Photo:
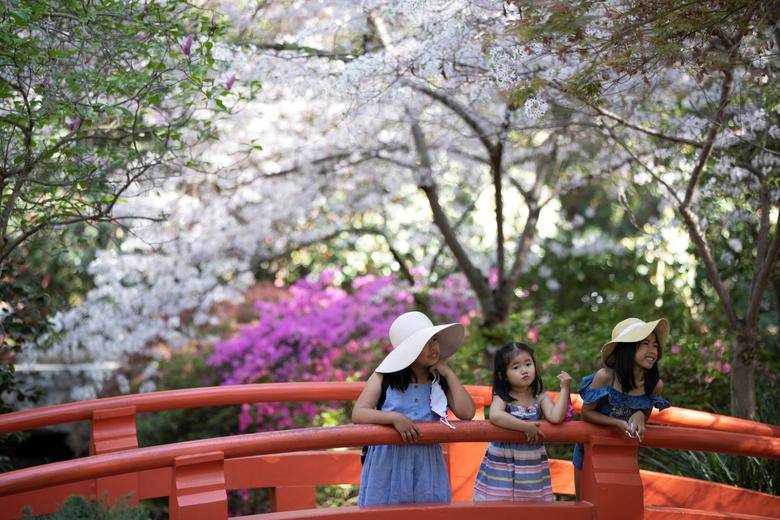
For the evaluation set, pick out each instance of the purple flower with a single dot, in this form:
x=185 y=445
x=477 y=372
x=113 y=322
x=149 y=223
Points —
x=320 y=332
x=186 y=47
x=230 y=81
x=675 y=349
x=74 y=124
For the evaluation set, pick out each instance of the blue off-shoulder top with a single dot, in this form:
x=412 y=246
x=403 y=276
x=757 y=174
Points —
x=614 y=403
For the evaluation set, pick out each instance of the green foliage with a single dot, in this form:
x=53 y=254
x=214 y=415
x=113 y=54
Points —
x=22 y=311
x=337 y=496
x=638 y=37
x=79 y=508
x=746 y=472
x=754 y=473
x=45 y=275
x=94 y=96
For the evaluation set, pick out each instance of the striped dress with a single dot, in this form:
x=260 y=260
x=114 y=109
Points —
x=515 y=472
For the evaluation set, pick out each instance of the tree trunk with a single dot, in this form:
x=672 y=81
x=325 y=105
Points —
x=498 y=313
x=743 y=376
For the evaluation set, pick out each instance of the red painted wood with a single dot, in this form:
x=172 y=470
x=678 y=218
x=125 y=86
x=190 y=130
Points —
x=113 y=430
x=198 y=487
x=358 y=435
x=454 y=511
x=326 y=391
x=610 y=479
x=118 y=467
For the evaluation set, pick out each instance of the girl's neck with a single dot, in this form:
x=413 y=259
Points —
x=639 y=376
x=521 y=394
x=420 y=374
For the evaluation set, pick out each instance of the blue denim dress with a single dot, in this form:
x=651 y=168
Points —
x=409 y=473
x=613 y=403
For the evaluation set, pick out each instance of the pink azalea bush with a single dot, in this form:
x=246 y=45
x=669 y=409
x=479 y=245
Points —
x=320 y=333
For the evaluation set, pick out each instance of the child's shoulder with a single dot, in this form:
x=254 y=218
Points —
x=602 y=377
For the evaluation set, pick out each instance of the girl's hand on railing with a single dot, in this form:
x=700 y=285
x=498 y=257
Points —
x=626 y=428
x=405 y=426
x=532 y=432
x=637 y=424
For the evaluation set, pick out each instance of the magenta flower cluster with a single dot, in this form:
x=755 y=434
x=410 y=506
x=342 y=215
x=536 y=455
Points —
x=321 y=332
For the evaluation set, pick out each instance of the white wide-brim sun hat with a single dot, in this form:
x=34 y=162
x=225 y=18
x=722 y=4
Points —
x=409 y=334
x=632 y=330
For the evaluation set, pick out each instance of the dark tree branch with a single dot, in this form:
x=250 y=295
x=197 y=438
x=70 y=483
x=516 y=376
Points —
x=476 y=280
x=697 y=235
x=761 y=281
x=712 y=134
x=461 y=112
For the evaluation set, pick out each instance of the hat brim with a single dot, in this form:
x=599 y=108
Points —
x=450 y=338
x=660 y=327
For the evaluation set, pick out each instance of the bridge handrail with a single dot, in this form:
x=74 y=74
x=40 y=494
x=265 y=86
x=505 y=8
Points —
x=306 y=439
x=311 y=391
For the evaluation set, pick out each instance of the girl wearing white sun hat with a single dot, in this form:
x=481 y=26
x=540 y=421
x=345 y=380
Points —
x=412 y=383
x=624 y=392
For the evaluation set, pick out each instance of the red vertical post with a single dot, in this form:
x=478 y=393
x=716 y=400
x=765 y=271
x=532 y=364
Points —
x=114 y=430
x=610 y=478
x=198 y=487
x=464 y=459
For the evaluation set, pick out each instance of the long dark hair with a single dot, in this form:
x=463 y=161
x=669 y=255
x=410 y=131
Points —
x=403 y=378
x=622 y=361
x=500 y=362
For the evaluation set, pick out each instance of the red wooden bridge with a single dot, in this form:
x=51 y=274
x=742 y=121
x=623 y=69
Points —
x=196 y=475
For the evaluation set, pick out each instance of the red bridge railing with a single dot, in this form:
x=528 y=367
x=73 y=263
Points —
x=195 y=475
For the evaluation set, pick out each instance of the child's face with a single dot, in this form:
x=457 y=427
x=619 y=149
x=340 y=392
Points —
x=647 y=352
x=430 y=353
x=520 y=371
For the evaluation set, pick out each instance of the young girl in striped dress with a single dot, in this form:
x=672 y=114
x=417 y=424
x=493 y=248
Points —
x=515 y=471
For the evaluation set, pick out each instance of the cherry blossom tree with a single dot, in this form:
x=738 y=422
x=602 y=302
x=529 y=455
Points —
x=372 y=142
x=440 y=80
x=687 y=94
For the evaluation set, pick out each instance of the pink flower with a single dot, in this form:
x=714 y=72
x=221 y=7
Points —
x=562 y=346
x=675 y=349
x=726 y=368
x=493 y=277
x=708 y=379
x=186 y=47
x=533 y=335
x=230 y=81
x=244 y=419
x=556 y=359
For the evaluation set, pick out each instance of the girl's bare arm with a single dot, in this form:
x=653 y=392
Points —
x=458 y=399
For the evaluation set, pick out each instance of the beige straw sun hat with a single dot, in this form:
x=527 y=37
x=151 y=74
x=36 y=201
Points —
x=632 y=330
